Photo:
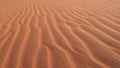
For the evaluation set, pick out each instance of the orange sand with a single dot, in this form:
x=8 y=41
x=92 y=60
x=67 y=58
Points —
x=59 y=34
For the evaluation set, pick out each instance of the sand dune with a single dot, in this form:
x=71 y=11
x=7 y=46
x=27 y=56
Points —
x=59 y=34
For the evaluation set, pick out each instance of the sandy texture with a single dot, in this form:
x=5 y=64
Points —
x=59 y=34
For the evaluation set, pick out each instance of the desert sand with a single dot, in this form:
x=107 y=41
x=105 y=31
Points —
x=59 y=34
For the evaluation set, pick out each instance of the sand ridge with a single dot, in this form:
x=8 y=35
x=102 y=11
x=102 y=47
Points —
x=59 y=34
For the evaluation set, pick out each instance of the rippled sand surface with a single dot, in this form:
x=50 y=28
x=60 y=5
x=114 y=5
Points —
x=59 y=34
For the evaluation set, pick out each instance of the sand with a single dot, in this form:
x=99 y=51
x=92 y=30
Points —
x=59 y=34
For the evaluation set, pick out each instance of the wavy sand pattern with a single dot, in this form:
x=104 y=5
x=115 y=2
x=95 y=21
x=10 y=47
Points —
x=59 y=34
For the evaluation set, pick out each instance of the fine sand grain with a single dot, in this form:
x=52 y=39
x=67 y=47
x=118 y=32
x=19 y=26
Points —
x=59 y=34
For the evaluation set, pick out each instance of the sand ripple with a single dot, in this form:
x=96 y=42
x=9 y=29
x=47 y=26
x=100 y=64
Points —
x=59 y=34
